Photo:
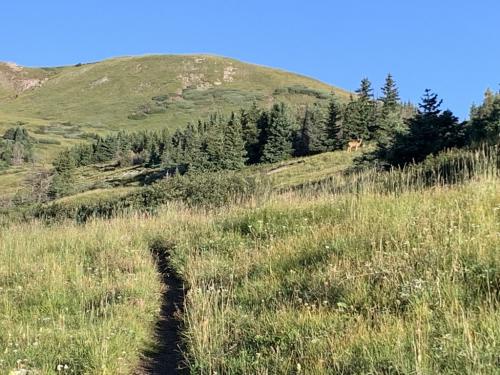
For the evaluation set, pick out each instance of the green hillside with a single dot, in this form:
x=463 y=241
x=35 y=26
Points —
x=63 y=104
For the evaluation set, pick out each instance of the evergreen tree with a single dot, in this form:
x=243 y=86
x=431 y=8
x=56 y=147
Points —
x=312 y=136
x=83 y=155
x=234 y=153
x=168 y=160
x=63 y=179
x=429 y=132
x=390 y=95
x=351 y=128
x=65 y=162
x=214 y=144
x=105 y=149
x=390 y=121
x=177 y=154
x=365 y=91
x=279 y=135
x=194 y=156
x=251 y=132
x=365 y=122
x=360 y=114
x=154 y=156
x=484 y=124
x=334 y=130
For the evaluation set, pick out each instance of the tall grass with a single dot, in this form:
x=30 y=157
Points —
x=348 y=284
x=368 y=274
x=448 y=168
x=83 y=300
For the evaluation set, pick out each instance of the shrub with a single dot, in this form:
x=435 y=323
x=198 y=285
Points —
x=208 y=189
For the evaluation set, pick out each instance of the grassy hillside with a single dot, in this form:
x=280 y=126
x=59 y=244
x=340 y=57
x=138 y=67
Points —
x=131 y=93
x=64 y=106
x=366 y=280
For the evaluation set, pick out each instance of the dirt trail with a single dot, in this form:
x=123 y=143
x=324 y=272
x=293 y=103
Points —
x=166 y=358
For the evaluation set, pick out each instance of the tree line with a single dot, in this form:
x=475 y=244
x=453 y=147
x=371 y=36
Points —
x=400 y=133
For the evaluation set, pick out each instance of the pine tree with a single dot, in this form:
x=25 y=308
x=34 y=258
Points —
x=154 y=156
x=312 y=135
x=429 y=132
x=351 y=128
x=105 y=149
x=360 y=114
x=390 y=121
x=64 y=162
x=365 y=91
x=484 y=124
x=234 y=153
x=334 y=130
x=177 y=154
x=214 y=144
x=63 y=179
x=365 y=118
x=251 y=132
x=192 y=145
x=279 y=135
x=390 y=95
x=167 y=155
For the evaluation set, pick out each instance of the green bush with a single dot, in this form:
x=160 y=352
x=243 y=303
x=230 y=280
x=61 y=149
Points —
x=208 y=189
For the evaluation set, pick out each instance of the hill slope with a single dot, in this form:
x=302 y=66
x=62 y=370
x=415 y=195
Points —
x=142 y=92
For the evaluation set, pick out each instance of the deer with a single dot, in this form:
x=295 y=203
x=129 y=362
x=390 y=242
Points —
x=354 y=145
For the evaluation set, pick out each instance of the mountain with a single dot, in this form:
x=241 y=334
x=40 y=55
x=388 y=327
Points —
x=65 y=104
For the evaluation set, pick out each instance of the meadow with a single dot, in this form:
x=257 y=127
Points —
x=385 y=275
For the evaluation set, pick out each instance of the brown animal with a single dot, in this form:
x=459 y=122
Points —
x=354 y=145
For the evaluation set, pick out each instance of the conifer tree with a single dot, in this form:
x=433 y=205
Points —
x=312 y=135
x=279 y=135
x=104 y=149
x=192 y=145
x=364 y=119
x=154 y=156
x=334 y=130
x=429 y=132
x=62 y=181
x=390 y=121
x=214 y=144
x=167 y=155
x=390 y=95
x=234 y=153
x=251 y=132
x=484 y=124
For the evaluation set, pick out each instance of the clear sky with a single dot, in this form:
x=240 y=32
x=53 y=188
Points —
x=452 y=47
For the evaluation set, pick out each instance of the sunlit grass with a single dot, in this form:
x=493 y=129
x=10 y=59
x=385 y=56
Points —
x=368 y=274
x=82 y=297
x=348 y=284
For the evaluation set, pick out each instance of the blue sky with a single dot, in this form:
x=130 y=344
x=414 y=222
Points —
x=452 y=47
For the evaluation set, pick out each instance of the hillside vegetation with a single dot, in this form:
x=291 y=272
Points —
x=296 y=231
x=68 y=103
x=386 y=276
